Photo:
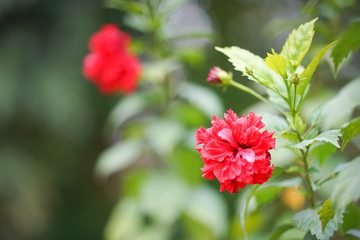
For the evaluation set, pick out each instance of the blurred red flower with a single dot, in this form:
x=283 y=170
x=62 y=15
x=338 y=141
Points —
x=235 y=151
x=110 y=65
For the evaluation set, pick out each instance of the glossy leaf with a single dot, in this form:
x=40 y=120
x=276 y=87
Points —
x=310 y=69
x=298 y=43
x=330 y=136
x=350 y=131
x=350 y=41
x=243 y=60
x=277 y=63
x=346 y=186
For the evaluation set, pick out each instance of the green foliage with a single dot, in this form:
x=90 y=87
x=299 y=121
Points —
x=309 y=220
x=330 y=136
x=310 y=69
x=338 y=110
x=322 y=151
x=118 y=157
x=207 y=207
x=243 y=60
x=202 y=98
x=298 y=43
x=350 y=131
x=351 y=218
x=278 y=231
x=346 y=186
x=277 y=63
x=353 y=233
x=349 y=41
x=326 y=213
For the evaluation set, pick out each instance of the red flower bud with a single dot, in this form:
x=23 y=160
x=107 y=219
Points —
x=218 y=76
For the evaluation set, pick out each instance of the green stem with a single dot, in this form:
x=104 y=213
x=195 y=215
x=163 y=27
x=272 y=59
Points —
x=255 y=94
x=307 y=177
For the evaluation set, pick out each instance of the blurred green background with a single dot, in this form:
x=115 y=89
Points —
x=52 y=120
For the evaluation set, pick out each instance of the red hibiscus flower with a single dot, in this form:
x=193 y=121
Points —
x=110 y=65
x=235 y=151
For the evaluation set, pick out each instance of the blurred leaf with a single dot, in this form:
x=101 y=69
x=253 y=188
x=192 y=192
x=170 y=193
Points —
x=274 y=123
x=317 y=116
x=326 y=213
x=351 y=218
x=163 y=135
x=124 y=221
x=277 y=63
x=310 y=69
x=265 y=195
x=330 y=136
x=350 y=131
x=338 y=110
x=346 y=186
x=163 y=197
x=132 y=181
x=278 y=100
x=277 y=171
x=308 y=236
x=295 y=168
x=277 y=232
x=354 y=233
x=127 y=108
x=349 y=41
x=188 y=114
x=187 y=163
x=309 y=220
x=203 y=98
x=207 y=207
x=322 y=152
x=118 y=157
x=243 y=60
x=134 y=7
x=298 y=43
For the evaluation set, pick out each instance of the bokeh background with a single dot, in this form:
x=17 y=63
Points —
x=52 y=120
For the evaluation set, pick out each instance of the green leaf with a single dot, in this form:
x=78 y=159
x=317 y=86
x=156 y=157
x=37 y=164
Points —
x=163 y=142
x=275 y=235
x=124 y=221
x=243 y=60
x=277 y=171
x=330 y=136
x=202 y=98
x=350 y=131
x=310 y=69
x=350 y=41
x=351 y=217
x=326 y=213
x=309 y=220
x=298 y=43
x=207 y=207
x=322 y=152
x=354 y=233
x=308 y=236
x=277 y=63
x=118 y=156
x=274 y=123
x=337 y=112
x=346 y=185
